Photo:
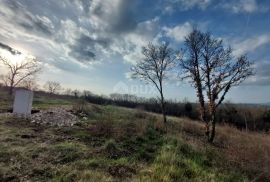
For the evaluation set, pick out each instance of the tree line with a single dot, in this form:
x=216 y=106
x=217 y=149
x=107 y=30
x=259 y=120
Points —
x=247 y=117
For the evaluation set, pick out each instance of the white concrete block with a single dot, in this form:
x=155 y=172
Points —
x=23 y=102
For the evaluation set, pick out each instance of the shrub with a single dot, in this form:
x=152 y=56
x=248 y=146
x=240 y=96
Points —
x=266 y=116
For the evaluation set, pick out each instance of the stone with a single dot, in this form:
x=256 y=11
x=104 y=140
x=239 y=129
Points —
x=23 y=102
x=54 y=117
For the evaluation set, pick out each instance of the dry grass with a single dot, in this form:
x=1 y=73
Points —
x=247 y=151
x=116 y=139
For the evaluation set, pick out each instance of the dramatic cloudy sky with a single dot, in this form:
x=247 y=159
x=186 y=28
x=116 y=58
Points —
x=91 y=44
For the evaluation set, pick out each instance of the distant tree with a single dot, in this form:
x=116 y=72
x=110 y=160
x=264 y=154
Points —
x=187 y=107
x=29 y=83
x=19 y=71
x=266 y=116
x=115 y=96
x=158 y=61
x=213 y=71
x=76 y=93
x=87 y=93
x=52 y=87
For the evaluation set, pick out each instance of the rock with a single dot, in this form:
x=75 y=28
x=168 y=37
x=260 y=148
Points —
x=84 y=118
x=55 y=117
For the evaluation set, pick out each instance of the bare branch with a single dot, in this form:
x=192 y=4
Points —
x=213 y=71
x=19 y=71
x=158 y=61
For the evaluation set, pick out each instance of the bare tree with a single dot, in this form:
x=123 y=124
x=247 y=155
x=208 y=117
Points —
x=87 y=93
x=76 y=93
x=158 y=60
x=19 y=71
x=190 y=65
x=52 y=87
x=213 y=71
x=29 y=83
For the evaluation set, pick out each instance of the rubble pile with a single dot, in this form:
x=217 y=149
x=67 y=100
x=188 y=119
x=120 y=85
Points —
x=54 y=117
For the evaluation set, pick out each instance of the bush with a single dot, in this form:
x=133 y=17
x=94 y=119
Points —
x=266 y=116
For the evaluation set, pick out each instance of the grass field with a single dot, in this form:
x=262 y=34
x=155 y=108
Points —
x=120 y=144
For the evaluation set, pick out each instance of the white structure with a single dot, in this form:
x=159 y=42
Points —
x=23 y=102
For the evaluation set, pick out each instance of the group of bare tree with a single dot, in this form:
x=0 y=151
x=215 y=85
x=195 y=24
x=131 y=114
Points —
x=52 y=87
x=20 y=73
x=205 y=62
x=24 y=74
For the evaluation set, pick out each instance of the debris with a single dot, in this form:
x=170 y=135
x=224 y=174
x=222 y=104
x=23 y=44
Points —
x=55 y=117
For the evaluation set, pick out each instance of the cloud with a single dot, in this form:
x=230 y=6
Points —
x=86 y=47
x=117 y=16
x=79 y=31
x=38 y=23
x=178 y=32
x=188 y=4
x=85 y=5
x=250 y=44
x=239 y=6
x=233 y=6
x=10 y=49
x=244 y=6
x=262 y=74
x=131 y=46
x=184 y=5
x=18 y=14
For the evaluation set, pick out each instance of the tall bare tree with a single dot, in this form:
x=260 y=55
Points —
x=19 y=71
x=213 y=71
x=52 y=87
x=190 y=67
x=158 y=61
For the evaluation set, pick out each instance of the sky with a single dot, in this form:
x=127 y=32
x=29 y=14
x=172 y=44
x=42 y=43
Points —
x=92 y=44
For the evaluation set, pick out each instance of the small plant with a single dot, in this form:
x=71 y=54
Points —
x=111 y=149
x=80 y=107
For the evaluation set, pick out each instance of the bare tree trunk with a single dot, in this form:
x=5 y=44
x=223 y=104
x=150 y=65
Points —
x=202 y=109
x=10 y=90
x=11 y=86
x=245 y=117
x=254 y=125
x=163 y=106
x=212 y=115
x=204 y=119
x=213 y=127
x=164 y=112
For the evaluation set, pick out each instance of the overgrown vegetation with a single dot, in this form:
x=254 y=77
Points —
x=120 y=144
x=249 y=117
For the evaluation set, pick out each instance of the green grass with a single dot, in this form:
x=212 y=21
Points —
x=113 y=144
x=45 y=102
x=41 y=102
x=179 y=162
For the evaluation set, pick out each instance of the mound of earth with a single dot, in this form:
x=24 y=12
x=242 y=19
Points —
x=54 y=117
